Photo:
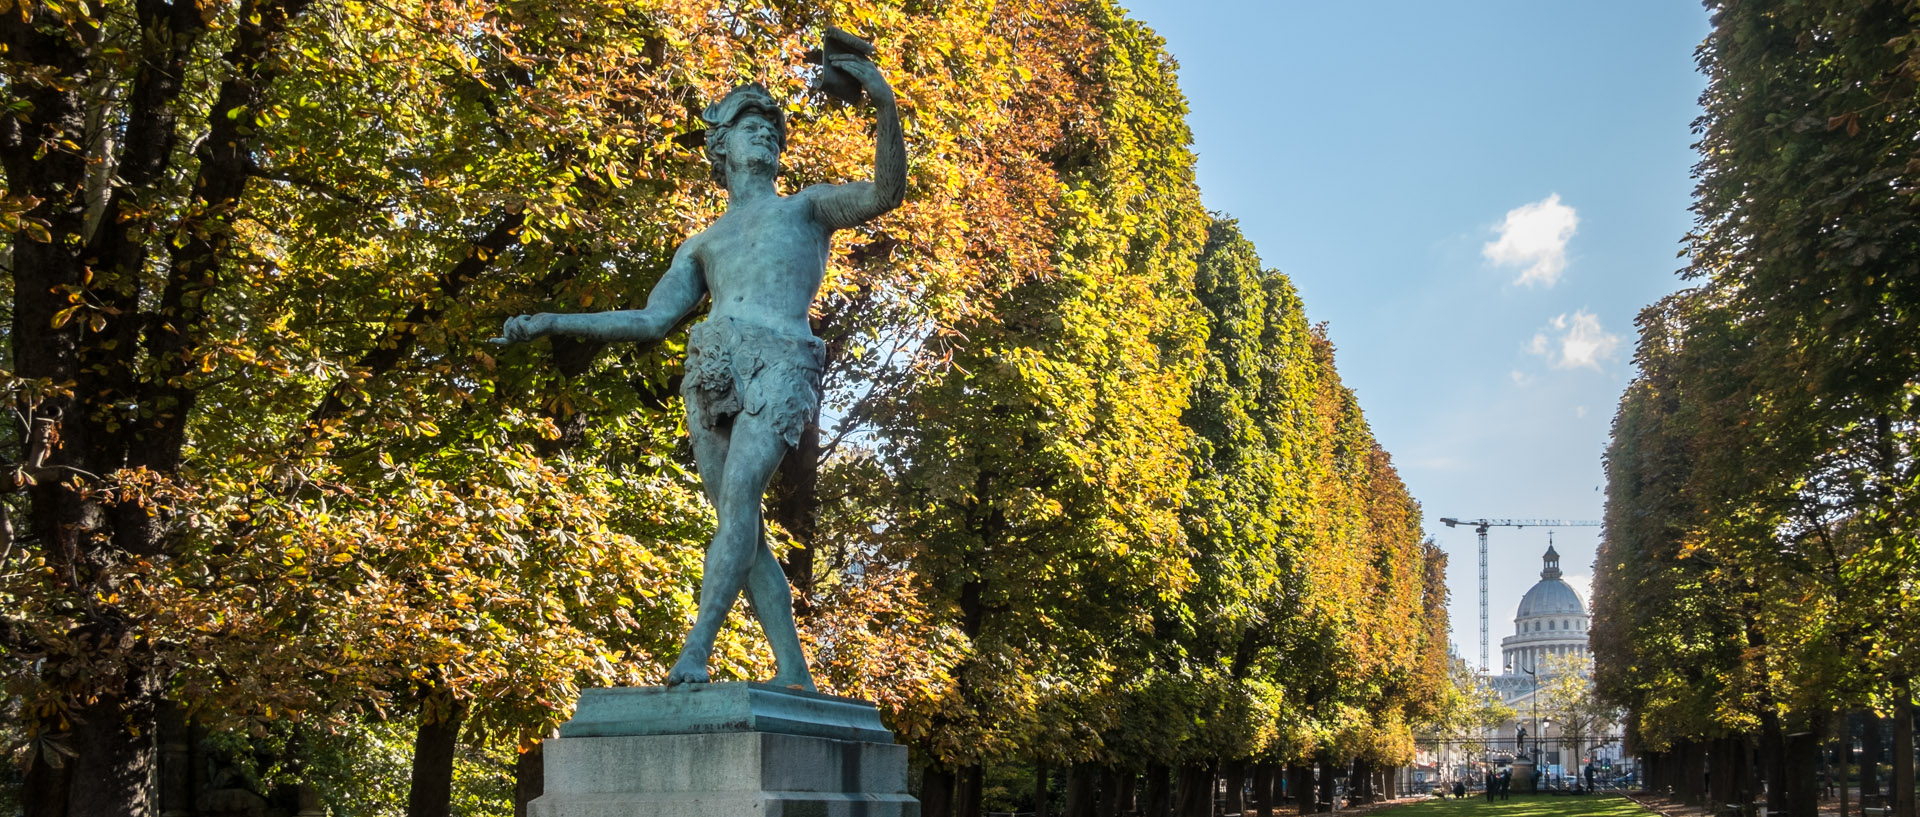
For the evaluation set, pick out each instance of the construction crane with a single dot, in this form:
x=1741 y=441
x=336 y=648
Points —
x=1480 y=527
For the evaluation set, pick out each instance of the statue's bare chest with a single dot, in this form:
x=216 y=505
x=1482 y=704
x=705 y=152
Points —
x=775 y=236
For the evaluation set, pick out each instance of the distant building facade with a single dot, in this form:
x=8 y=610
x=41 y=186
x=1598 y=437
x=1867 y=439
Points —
x=1551 y=621
x=1550 y=626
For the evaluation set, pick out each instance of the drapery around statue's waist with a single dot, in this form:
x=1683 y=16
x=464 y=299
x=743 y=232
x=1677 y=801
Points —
x=736 y=368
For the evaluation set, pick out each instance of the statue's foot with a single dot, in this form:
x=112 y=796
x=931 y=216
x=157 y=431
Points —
x=801 y=681
x=686 y=671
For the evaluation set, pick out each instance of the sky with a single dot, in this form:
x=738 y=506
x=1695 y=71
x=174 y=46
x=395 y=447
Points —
x=1477 y=197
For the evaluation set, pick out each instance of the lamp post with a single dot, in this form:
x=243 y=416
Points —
x=1536 y=750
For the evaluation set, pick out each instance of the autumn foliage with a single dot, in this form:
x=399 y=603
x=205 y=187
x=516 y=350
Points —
x=1088 y=492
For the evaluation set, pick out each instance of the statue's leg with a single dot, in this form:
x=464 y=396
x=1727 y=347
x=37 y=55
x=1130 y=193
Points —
x=772 y=601
x=750 y=453
x=710 y=456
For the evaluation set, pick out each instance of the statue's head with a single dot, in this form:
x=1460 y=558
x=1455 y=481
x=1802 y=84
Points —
x=747 y=125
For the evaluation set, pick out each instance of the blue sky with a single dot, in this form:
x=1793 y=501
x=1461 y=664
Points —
x=1478 y=197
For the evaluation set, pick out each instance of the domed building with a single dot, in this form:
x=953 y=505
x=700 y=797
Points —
x=1549 y=637
x=1551 y=621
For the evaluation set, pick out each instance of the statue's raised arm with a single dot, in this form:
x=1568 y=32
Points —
x=840 y=206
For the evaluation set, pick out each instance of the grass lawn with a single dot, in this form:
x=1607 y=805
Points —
x=1523 y=806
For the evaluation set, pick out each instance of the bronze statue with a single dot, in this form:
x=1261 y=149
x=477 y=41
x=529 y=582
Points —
x=753 y=365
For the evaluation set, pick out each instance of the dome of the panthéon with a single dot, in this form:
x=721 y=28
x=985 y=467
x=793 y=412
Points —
x=1551 y=596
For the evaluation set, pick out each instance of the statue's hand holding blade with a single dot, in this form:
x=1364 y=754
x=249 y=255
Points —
x=840 y=78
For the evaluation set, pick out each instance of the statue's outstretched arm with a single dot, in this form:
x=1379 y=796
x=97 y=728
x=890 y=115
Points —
x=842 y=206
x=677 y=293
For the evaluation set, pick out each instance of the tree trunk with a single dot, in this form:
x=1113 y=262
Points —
x=529 y=777
x=1123 y=800
x=44 y=792
x=1841 y=760
x=936 y=791
x=1773 y=762
x=1081 y=782
x=139 y=356
x=1323 y=801
x=1159 y=791
x=1263 y=789
x=1039 y=789
x=1869 y=757
x=966 y=791
x=1235 y=773
x=1692 y=772
x=1903 y=711
x=1746 y=782
x=114 y=769
x=1360 y=783
x=1803 y=775
x=1194 y=797
x=434 y=745
x=1704 y=775
x=1303 y=788
x=1720 y=772
x=1106 y=798
x=177 y=795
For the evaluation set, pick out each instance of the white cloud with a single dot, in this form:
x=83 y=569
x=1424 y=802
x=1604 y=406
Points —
x=1580 y=411
x=1534 y=236
x=1577 y=341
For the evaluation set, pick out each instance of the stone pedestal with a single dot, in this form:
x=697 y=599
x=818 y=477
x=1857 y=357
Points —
x=1524 y=780
x=723 y=750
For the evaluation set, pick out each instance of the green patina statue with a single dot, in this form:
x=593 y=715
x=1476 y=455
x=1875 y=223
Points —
x=753 y=365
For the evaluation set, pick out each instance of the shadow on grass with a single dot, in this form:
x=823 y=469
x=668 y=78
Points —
x=1523 y=806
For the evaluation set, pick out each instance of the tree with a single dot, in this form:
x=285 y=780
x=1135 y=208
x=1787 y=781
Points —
x=209 y=463
x=1567 y=699
x=266 y=472
x=1040 y=474
x=1671 y=630
x=1792 y=363
x=1805 y=206
x=1465 y=719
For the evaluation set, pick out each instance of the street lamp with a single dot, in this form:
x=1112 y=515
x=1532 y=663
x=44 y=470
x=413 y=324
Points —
x=1536 y=751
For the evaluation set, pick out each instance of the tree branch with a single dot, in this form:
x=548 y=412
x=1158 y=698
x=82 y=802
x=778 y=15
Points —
x=314 y=185
x=402 y=335
x=120 y=240
x=225 y=157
